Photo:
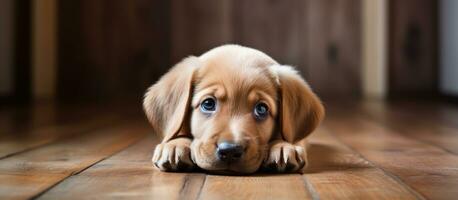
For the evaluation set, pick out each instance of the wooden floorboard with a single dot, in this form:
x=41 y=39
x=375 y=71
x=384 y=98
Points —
x=362 y=151
x=337 y=172
x=286 y=186
x=430 y=129
x=22 y=129
x=128 y=174
x=30 y=173
x=427 y=169
x=20 y=119
x=442 y=113
x=13 y=144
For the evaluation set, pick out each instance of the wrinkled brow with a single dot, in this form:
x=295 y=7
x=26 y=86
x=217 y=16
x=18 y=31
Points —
x=215 y=90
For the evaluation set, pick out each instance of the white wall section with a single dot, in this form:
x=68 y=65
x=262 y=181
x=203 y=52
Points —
x=375 y=17
x=449 y=47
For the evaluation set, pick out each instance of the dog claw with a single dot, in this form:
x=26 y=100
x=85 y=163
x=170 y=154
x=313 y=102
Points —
x=285 y=157
x=174 y=155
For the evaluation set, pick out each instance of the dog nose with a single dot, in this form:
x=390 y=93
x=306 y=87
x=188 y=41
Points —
x=229 y=152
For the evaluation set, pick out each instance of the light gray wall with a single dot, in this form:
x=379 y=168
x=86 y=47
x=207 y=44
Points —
x=449 y=47
x=6 y=47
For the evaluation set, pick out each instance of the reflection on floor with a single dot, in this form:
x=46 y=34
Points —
x=364 y=150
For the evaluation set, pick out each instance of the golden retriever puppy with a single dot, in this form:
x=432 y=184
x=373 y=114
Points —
x=233 y=109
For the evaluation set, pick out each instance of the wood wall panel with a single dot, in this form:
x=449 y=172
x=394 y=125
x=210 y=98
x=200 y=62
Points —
x=21 y=53
x=117 y=48
x=413 y=62
x=334 y=47
x=197 y=26
x=111 y=48
x=277 y=28
x=6 y=44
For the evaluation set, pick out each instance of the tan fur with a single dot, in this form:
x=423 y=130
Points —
x=302 y=111
x=166 y=102
x=238 y=77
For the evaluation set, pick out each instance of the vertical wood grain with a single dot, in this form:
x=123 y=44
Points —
x=44 y=48
x=6 y=46
x=111 y=49
x=413 y=62
x=22 y=52
x=277 y=28
x=117 y=49
x=197 y=26
x=334 y=47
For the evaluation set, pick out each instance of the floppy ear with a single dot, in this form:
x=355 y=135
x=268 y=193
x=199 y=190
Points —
x=167 y=102
x=301 y=110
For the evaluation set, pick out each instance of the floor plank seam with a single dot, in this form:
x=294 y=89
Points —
x=389 y=174
x=185 y=184
x=308 y=185
x=184 y=193
x=25 y=150
x=56 y=140
x=75 y=173
x=369 y=154
x=38 y=195
x=201 y=188
x=111 y=155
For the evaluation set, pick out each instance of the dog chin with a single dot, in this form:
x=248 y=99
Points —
x=230 y=168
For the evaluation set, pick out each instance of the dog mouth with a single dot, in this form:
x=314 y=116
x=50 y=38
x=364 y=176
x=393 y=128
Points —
x=204 y=155
x=244 y=166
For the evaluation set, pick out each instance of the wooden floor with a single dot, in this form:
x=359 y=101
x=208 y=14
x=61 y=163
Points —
x=367 y=150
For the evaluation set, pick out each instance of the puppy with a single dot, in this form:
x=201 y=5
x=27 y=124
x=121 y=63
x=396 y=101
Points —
x=233 y=109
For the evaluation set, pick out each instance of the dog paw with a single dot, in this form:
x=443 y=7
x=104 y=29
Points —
x=285 y=157
x=174 y=155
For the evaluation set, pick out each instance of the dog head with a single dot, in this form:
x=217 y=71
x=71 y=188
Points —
x=232 y=101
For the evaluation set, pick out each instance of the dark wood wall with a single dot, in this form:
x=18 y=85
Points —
x=334 y=47
x=20 y=51
x=117 y=48
x=111 y=49
x=413 y=48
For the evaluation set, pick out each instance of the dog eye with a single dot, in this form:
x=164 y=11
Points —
x=208 y=105
x=261 y=110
